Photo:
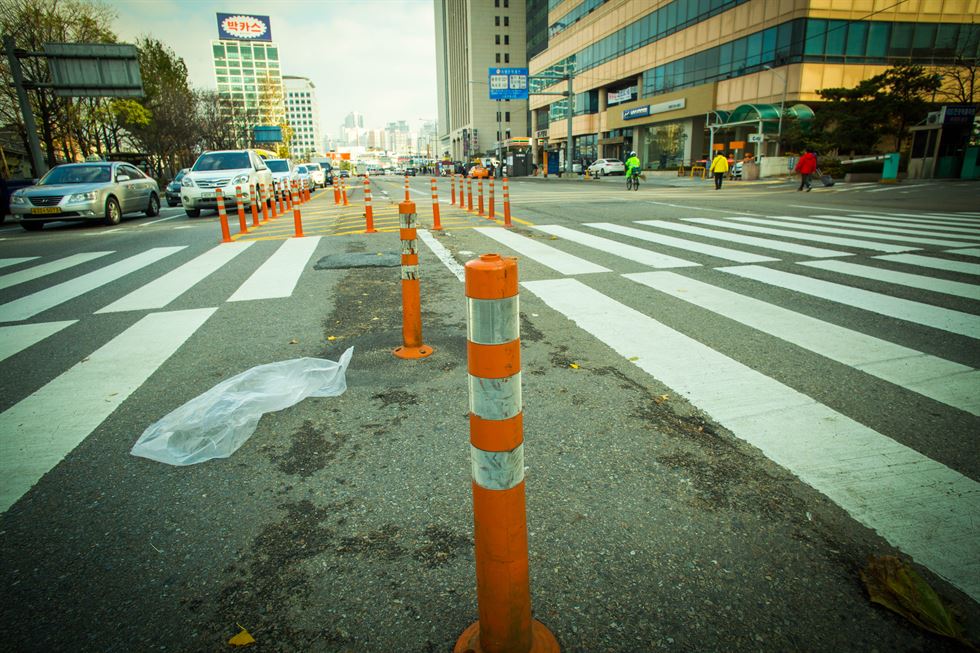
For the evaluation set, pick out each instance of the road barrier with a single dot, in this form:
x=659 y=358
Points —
x=343 y=192
x=412 y=346
x=287 y=189
x=368 y=211
x=461 y=198
x=469 y=194
x=297 y=216
x=506 y=205
x=407 y=198
x=219 y=198
x=307 y=191
x=336 y=191
x=452 y=185
x=253 y=196
x=243 y=226
x=497 y=465
x=264 y=198
x=277 y=198
x=436 y=220
x=490 y=204
x=479 y=192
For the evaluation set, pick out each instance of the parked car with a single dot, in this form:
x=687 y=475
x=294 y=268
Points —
x=479 y=172
x=86 y=191
x=411 y=172
x=607 y=167
x=283 y=172
x=303 y=176
x=224 y=169
x=317 y=177
x=173 y=188
x=344 y=174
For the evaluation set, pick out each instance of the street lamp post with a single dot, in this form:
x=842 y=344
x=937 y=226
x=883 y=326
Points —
x=782 y=107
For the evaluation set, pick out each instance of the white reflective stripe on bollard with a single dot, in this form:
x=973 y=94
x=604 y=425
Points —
x=497 y=470
x=495 y=399
x=493 y=321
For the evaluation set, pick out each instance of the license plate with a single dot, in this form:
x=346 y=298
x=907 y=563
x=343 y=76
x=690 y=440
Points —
x=45 y=209
x=208 y=196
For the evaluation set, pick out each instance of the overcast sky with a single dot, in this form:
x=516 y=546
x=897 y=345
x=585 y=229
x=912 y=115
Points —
x=376 y=57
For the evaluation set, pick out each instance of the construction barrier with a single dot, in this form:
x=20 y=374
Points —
x=452 y=185
x=368 y=211
x=412 y=346
x=297 y=216
x=436 y=220
x=469 y=194
x=479 y=192
x=497 y=465
x=506 y=205
x=254 y=197
x=243 y=226
x=490 y=204
x=219 y=197
x=407 y=198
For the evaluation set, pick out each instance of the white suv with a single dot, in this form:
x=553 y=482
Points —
x=223 y=169
x=316 y=175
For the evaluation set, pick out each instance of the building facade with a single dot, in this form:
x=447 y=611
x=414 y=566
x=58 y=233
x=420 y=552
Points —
x=471 y=37
x=675 y=79
x=303 y=116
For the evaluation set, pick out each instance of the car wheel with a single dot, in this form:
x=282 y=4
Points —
x=32 y=226
x=113 y=214
x=172 y=204
x=153 y=209
x=192 y=213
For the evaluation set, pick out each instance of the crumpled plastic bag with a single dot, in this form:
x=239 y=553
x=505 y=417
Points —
x=216 y=423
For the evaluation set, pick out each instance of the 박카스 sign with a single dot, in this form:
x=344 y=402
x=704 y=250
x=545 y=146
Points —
x=244 y=27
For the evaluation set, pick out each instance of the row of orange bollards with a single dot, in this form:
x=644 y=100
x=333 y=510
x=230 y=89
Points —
x=294 y=196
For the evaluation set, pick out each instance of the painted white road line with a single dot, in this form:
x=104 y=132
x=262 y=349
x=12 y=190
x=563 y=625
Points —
x=7 y=262
x=903 y=309
x=442 y=254
x=952 y=217
x=763 y=243
x=884 y=189
x=176 y=215
x=537 y=251
x=44 y=269
x=702 y=208
x=18 y=337
x=278 y=276
x=39 y=431
x=925 y=222
x=711 y=250
x=922 y=282
x=945 y=381
x=965 y=252
x=31 y=305
x=919 y=505
x=777 y=221
x=881 y=227
x=799 y=235
x=616 y=248
x=873 y=213
x=932 y=263
x=163 y=290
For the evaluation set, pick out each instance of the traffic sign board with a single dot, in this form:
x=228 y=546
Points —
x=508 y=83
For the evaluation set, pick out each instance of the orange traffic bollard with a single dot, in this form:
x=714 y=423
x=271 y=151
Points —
x=506 y=205
x=243 y=227
x=343 y=192
x=452 y=185
x=479 y=192
x=276 y=199
x=264 y=196
x=490 y=207
x=545 y=166
x=368 y=211
x=253 y=198
x=222 y=215
x=469 y=194
x=503 y=588
x=407 y=198
x=412 y=346
x=287 y=190
x=308 y=189
x=336 y=191
x=297 y=216
x=436 y=220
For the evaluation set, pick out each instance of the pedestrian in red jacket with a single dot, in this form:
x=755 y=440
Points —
x=806 y=166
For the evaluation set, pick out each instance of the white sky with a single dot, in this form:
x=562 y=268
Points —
x=375 y=57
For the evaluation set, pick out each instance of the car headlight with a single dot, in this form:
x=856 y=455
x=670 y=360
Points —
x=188 y=182
x=240 y=179
x=18 y=199
x=82 y=197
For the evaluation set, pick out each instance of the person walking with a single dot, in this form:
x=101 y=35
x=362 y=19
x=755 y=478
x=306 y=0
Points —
x=719 y=167
x=806 y=166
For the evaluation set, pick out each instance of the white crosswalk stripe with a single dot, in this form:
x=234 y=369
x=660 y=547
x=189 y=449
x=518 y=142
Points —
x=17 y=337
x=936 y=224
x=277 y=277
x=7 y=262
x=630 y=252
x=38 y=271
x=867 y=225
x=544 y=254
x=968 y=290
x=779 y=222
x=711 y=250
x=763 y=243
x=802 y=235
x=932 y=262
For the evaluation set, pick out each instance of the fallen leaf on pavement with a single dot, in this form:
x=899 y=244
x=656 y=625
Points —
x=242 y=639
x=331 y=337
x=294 y=341
x=574 y=366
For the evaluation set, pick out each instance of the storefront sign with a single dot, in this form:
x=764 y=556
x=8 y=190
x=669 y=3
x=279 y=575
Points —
x=736 y=145
x=756 y=138
x=958 y=114
x=624 y=95
x=650 y=109
x=638 y=112
x=517 y=141
x=244 y=27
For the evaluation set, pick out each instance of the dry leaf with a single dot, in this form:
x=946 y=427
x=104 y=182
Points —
x=242 y=639
x=331 y=337
x=294 y=341
x=574 y=366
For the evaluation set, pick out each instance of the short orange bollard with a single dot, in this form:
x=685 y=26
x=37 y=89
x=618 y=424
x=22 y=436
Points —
x=336 y=191
x=506 y=205
x=412 y=346
x=264 y=195
x=479 y=192
x=297 y=217
x=368 y=211
x=469 y=194
x=253 y=196
x=452 y=185
x=503 y=587
x=490 y=207
x=222 y=216
x=436 y=220
x=243 y=226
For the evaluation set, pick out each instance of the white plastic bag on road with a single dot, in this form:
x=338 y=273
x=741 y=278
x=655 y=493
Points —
x=216 y=423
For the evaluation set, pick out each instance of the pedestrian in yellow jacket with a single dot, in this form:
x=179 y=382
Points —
x=719 y=166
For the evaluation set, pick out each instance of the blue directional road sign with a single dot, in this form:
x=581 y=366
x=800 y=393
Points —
x=508 y=83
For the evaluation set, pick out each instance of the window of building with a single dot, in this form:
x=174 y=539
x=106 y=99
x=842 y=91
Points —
x=506 y=57
x=498 y=57
x=496 y=39
x=496 y=21
x=506 y=3
x=496 y=3
x=506 y=39
x=219 y=50
x=506 y=21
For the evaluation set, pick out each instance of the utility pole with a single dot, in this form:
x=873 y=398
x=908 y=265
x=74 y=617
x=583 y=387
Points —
x=40 y=167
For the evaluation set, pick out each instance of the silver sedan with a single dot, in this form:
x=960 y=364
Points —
x=86 y=191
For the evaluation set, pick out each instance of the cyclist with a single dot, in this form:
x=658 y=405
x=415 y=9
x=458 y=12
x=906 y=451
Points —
x=632 y=171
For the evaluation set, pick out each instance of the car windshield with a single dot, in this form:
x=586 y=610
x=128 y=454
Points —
x=180 y=175
x=222 y=161
x=312 y=166
x=76 y=175
x=301 y=170
x=277 y=165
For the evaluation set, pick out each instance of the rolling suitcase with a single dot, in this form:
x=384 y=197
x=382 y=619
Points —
x=826 y=180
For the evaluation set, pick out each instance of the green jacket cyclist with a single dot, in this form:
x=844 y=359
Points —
x=632 y=163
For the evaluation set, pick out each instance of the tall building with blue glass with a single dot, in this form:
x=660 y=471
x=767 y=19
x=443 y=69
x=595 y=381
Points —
x=672 y=78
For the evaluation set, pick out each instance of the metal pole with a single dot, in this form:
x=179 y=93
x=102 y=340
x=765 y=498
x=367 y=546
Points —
x=500 y=135
x=40 y=167
x=568 y=146
x=782 y=108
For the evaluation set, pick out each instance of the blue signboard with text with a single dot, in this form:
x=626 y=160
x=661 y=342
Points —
x=244 y=27
x=508 y=83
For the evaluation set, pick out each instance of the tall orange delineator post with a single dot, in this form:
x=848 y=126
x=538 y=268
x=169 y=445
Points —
x=255 y=210
x=277 y=198
x=436 y=220
x=407 y=198
x=243 y=226
x=412 y=346
x=506 y=205
x=287 y=185
x=297 y=216
x=222 y=216
x=503 y=587
x=368 y=211
x=343 y=192
x=479 y=192
x=469 y=194
x=452 y=186
x=336 y=191
x=490 y=204
x=462 y=199
x=545 y=166
x=264 y=195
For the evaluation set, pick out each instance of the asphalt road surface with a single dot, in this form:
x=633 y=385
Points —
x=732 y=399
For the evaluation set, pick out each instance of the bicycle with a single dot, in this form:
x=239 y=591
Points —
x=633 y=180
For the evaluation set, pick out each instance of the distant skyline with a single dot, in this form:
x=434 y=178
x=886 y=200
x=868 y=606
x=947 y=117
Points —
x=373 y=57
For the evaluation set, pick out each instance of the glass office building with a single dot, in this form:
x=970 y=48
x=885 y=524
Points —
x=673 y=78
x=248 y=76
x=303 y=116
